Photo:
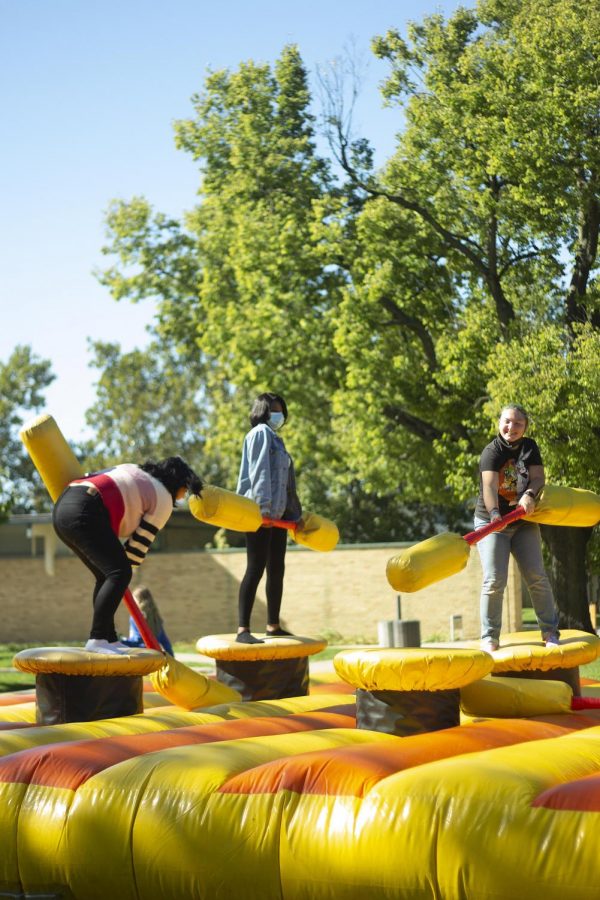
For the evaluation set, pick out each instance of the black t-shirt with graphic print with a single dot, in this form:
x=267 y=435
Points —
x=512 y=462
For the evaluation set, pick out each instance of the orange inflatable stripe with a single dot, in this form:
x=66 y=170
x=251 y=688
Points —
x=352 y=771
x=329 y=688
x=582 y=795
x=13 y=698
x=71 y=765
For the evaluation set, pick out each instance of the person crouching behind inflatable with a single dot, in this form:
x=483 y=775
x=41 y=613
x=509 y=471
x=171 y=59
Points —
x=95 y=513
x=266 y=476
x=148 y=608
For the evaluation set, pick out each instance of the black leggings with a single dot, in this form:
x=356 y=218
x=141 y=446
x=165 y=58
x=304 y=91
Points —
x=82 y=522
x=265 y=550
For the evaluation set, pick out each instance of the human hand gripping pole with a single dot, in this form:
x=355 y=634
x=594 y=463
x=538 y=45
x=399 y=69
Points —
x=440 y=556
x=473 y=537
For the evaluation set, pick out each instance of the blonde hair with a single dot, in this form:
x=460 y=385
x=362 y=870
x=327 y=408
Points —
x=144 y=599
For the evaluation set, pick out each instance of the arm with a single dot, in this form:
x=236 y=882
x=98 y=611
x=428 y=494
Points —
x=259 y=471
x=537 y=480
x=154 y=517
x=489 y=483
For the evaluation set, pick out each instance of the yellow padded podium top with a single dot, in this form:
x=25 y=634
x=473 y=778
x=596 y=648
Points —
x=77 y=661
x=524 y=651
x=412 y=669
x=225 y=646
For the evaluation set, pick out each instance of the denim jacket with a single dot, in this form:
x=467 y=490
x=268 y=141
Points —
x=267 y=474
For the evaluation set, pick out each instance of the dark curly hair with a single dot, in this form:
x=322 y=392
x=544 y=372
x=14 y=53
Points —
x=175 y=474
x=261 y=408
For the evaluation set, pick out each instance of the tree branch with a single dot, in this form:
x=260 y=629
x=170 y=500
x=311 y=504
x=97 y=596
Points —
x=585 y=258
x=416 y=426
x=400 y=317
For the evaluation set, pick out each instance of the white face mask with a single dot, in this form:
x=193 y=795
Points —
x=276 y=420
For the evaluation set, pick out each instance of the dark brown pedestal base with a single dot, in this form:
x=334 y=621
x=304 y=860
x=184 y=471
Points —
x=407 y=712
x=269 y=679
x=86 y=698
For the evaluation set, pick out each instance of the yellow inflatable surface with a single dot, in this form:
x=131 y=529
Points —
x=522 y=651
x=412 y=669
x=288 y=799
x=77 y=661
x=515 y=697
x=224 y=646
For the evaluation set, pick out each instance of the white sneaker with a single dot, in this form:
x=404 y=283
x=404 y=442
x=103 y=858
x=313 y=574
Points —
x=99 y=645
x=551 y=640
x=489 y=645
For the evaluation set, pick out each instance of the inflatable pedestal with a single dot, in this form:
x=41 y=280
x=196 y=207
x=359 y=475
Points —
x=74 y=685
x=273 y=670
x=523 y=655
x=412 y=690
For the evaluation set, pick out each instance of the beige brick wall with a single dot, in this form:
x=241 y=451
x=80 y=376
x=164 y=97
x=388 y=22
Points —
x=344 y=592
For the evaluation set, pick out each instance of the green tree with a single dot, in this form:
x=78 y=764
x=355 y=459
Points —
x=149 y=404
x=241 y=282
x=479 y=234
x=23 y=379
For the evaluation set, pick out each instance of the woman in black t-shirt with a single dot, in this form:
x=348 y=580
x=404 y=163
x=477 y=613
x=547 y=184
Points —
x=511 y=473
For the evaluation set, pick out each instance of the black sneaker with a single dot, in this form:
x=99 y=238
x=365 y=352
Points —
x=244 y=637
x=278 y=632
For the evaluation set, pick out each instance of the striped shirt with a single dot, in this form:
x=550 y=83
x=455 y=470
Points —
x=138 y=506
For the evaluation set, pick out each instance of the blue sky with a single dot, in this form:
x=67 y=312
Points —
x=90 y=91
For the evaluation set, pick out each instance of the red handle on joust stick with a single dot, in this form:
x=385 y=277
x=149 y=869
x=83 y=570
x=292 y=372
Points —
x=281 y=523
x=138 y=617
x=474 y=536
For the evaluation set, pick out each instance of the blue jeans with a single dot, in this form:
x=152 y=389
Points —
x=523 y=540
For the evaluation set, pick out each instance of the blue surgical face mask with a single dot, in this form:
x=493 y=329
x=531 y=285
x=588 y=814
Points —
x=276 y=420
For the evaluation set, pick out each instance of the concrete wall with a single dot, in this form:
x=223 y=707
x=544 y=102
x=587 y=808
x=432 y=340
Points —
x=344 y=593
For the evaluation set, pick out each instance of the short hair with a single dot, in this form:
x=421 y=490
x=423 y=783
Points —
x=261 y=408
x=518 y=409
x=174 y=473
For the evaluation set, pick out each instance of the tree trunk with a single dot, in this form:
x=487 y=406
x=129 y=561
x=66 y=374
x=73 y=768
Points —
x=568 y=575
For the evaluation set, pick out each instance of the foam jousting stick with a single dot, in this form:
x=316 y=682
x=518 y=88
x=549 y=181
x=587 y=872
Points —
x=225 y=509
x=446 y=554
x=57 y=466
x=439 y=556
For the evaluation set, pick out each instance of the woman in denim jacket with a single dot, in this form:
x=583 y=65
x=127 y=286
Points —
x=266 y=476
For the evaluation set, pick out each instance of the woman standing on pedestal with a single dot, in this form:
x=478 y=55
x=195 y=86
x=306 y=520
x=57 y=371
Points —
x=511 y=474
x=267 y=477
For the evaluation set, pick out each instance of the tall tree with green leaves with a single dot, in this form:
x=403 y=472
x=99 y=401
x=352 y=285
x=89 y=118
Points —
x=241 y=282
x=478 y=240
x=149 y=404
x=23 y=379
